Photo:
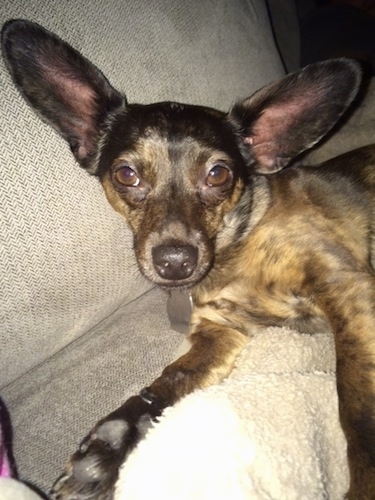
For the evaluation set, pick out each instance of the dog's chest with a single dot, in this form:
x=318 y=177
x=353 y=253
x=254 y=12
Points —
x=263 y=284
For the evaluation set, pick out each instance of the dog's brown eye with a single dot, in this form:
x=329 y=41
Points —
x=218 y=176
x=126 y=176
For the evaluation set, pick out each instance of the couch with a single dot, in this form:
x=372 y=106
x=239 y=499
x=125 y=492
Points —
x=82 y=329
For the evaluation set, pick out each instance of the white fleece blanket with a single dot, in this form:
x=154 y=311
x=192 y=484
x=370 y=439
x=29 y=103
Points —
x=270 y=431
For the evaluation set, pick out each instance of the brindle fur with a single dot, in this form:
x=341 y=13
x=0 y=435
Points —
x=294 y=248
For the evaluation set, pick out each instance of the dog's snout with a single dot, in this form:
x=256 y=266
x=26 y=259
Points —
x=175 y=262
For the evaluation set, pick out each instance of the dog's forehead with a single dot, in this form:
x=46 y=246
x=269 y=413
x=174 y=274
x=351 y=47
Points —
x=168 y=120
x=176 y=121
x=169 y=125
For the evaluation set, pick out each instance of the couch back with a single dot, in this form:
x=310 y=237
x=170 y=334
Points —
x=66 y=258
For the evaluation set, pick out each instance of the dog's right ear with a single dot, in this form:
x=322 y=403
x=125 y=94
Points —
x=66 y=89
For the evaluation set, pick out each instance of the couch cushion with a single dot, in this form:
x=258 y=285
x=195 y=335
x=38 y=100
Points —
x=66 y=259
x=56 y=404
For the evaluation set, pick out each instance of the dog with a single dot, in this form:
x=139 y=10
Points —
x=220 y=206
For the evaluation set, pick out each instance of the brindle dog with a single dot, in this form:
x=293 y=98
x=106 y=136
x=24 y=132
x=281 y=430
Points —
x=212 y=209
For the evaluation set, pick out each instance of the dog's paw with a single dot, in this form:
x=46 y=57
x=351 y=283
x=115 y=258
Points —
x=92 y=471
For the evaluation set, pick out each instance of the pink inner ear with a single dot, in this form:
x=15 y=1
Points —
x=269 y=137
x=76 y=96
x=80 y=97
x=82 y=100
x=275 y=122
x=273 y=134
x=75 y=115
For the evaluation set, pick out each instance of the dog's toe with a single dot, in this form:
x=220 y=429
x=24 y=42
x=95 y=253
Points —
x=92 y=471
x=106 y=436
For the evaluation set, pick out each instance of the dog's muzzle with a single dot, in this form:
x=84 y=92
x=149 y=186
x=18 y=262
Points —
x=175 y=262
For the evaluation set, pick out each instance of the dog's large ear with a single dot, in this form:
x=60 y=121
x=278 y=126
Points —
x=67 y=90
x=288 y=117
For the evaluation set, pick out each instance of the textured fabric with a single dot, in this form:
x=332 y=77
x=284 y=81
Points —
x=65 y=257
x=269 y=431
x=356 y=131
x=284 y=19
x=10 y=489
x=55 y=406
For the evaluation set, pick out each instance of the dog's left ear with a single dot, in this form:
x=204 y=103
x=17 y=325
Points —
x=288 y=117
x=63 y=87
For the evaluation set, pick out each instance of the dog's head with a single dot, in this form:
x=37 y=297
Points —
x=175 y=172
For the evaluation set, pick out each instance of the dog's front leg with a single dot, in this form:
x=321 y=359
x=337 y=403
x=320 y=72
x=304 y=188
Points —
x=349 y=301
x=92 y=471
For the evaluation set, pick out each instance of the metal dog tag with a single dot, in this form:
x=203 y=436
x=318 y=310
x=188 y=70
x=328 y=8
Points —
x=179 y=308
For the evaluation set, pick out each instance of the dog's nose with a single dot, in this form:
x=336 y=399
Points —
x=175 y=262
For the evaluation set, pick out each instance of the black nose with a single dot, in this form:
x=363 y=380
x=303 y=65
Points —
x=175 y=262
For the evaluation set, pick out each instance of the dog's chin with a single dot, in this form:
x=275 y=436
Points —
x=169 y=284
x=172 y=285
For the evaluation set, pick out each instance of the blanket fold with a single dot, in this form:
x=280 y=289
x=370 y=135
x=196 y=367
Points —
x=269 y=431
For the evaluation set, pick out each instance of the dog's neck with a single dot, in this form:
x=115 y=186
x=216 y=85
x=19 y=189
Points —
x=252 y=207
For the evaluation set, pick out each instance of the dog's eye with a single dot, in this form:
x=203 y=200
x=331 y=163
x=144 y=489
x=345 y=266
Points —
x=218 y=176
x=126 y=176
